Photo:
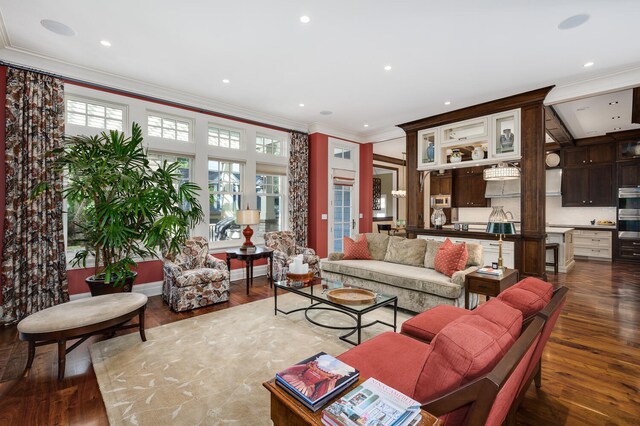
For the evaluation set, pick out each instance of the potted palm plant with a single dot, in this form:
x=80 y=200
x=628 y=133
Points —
x=127 y=209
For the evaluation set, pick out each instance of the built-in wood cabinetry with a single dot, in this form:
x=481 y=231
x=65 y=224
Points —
x=441 y=184
x=469 y=187
x=629 y=174
x=588 y=176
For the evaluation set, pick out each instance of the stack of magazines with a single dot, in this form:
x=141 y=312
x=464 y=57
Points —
x=372 y=404
x=489 y=271
x=317 y=379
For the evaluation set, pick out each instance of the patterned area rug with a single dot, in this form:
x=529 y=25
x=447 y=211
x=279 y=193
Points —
x=209 y=370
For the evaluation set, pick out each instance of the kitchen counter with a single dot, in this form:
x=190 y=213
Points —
x=589 y=226
x=475 y=227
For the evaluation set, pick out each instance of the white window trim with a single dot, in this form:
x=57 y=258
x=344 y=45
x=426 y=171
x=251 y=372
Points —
x=243 y=143
x=284 y=148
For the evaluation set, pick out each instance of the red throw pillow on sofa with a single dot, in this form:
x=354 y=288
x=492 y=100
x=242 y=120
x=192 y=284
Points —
x=451 y=258
x=356 y=250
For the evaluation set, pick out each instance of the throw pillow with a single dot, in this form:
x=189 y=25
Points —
x=475 y=255
x=354 y=250
x=406 y=251
x=451 y=258
x=432 y=248
x=377 y=245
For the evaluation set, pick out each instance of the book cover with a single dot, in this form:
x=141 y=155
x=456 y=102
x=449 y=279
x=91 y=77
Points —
x=321 y=402
x=372 y=404
x=316 y=377
x=489 y=271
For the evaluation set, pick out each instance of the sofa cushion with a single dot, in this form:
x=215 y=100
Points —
x=426 y=325
x=529 y=296
x=199 y=276
x=432 y=248
x=377 y=245
x=410 y=277
x=406 y=251
x=466 y=349
x=451 y=258
x=392 y=358
x=474 y=252
x=356 y=249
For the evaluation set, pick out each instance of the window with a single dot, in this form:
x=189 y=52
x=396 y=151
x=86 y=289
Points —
x=95 y=114
x=342 y=153
x=74 y=227
x=270 y=202
x=223 y=138
x=168 y=128
x=269 y=145
x=225 y=198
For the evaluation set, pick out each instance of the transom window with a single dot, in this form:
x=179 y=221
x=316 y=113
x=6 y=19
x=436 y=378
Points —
x=269 y=145
x=223 y=138
x=168 y=128
x=95 y=114
x=342 y=153
x=225 y=198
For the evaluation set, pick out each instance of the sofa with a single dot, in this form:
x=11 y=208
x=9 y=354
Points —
x=404 y=268
x=477 y=366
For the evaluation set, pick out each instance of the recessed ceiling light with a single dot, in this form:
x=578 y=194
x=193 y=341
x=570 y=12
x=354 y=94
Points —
x=105 y=43
x=617 y=128
x=387 y=68
x=305 y=19
x=226 y=81
x=615 y=117
x=588 y=64
x=300 y=105
x=325 y=112
x=57 y=27
x=613 y=103
x=573 y=21
x=366 y=125
x=447 y=102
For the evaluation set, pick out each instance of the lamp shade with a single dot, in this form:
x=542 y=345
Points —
x=501 y=228
x=248 y=217
x=502 y=171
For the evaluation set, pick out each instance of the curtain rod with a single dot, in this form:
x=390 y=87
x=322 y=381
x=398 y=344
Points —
x=149 y=98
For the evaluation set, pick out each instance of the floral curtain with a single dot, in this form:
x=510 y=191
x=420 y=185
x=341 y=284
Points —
x=33 y=256
x=299 y=186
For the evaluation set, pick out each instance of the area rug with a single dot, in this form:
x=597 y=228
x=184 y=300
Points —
x=209 y=370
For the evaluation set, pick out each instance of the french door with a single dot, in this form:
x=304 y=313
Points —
x=343 y=192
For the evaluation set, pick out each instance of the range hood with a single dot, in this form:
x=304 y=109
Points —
x=511 y=188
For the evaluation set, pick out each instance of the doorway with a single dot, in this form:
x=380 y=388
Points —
x=343 y=194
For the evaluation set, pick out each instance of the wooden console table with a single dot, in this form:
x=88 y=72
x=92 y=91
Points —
x=287 y=411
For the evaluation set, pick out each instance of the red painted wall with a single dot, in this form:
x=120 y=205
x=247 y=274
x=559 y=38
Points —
x=366 y=187
x=148 y=272
x=318 y=192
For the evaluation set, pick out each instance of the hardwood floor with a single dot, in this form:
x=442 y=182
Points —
x=591 y=369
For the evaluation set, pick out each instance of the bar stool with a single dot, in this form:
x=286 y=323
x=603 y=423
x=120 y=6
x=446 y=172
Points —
x=384 y=227
x=554 y=247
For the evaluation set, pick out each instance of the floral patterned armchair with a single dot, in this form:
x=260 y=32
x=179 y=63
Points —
x=285 y=249
x=195 y=278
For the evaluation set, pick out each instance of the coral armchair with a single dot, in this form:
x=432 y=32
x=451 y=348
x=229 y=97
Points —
x=285 y=249
x=195 y=278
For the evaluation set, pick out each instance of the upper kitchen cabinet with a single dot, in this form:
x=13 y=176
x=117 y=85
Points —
x=475 y=142
x=595 y=154
x=469 y=187
x=629 y=174
x=629 y=150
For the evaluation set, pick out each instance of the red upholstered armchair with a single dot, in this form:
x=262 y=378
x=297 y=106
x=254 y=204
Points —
x=285 y=250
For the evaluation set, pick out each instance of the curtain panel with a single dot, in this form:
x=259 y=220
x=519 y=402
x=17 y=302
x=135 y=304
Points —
x=33 y=257
x=299 y=186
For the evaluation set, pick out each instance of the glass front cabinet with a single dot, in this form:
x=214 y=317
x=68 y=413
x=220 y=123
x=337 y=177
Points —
x=479 y=141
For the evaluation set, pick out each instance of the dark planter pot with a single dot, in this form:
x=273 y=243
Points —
x=98 y=287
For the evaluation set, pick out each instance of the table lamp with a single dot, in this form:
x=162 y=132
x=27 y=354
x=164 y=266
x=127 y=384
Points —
x=247 y=217
x=501 y=228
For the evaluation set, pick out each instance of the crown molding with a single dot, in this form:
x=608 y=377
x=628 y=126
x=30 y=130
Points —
x=336 y=132
x=604 y=83
x=4 y=35
x=386 y=135
x=30 y=59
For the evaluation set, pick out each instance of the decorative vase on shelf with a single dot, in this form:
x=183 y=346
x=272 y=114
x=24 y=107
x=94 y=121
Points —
x=430 y=152
x=478 y=153
x=438 y=218
x=455 y=156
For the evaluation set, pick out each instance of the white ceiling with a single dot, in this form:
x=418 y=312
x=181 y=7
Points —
x=463 y=51
x=598 y=115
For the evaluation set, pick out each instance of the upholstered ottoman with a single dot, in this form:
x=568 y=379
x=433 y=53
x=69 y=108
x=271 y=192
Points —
x=81 y=319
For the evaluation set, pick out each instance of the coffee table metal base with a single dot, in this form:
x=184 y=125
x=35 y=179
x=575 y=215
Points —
x=356 y=316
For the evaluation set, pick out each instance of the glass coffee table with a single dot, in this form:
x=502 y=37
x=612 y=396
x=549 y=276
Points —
x=316 y=291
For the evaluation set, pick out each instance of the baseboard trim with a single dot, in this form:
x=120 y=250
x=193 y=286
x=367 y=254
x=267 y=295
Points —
x=155 y=288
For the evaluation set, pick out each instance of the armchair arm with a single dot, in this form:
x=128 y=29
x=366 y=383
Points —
x=215 y=263
x=305 y=251
x=335 y=256
x=171 y=271
x=459 y=276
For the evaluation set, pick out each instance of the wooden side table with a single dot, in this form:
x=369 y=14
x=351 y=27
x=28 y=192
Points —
x=489 y=285
x=288 y=411
x=249 y=257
